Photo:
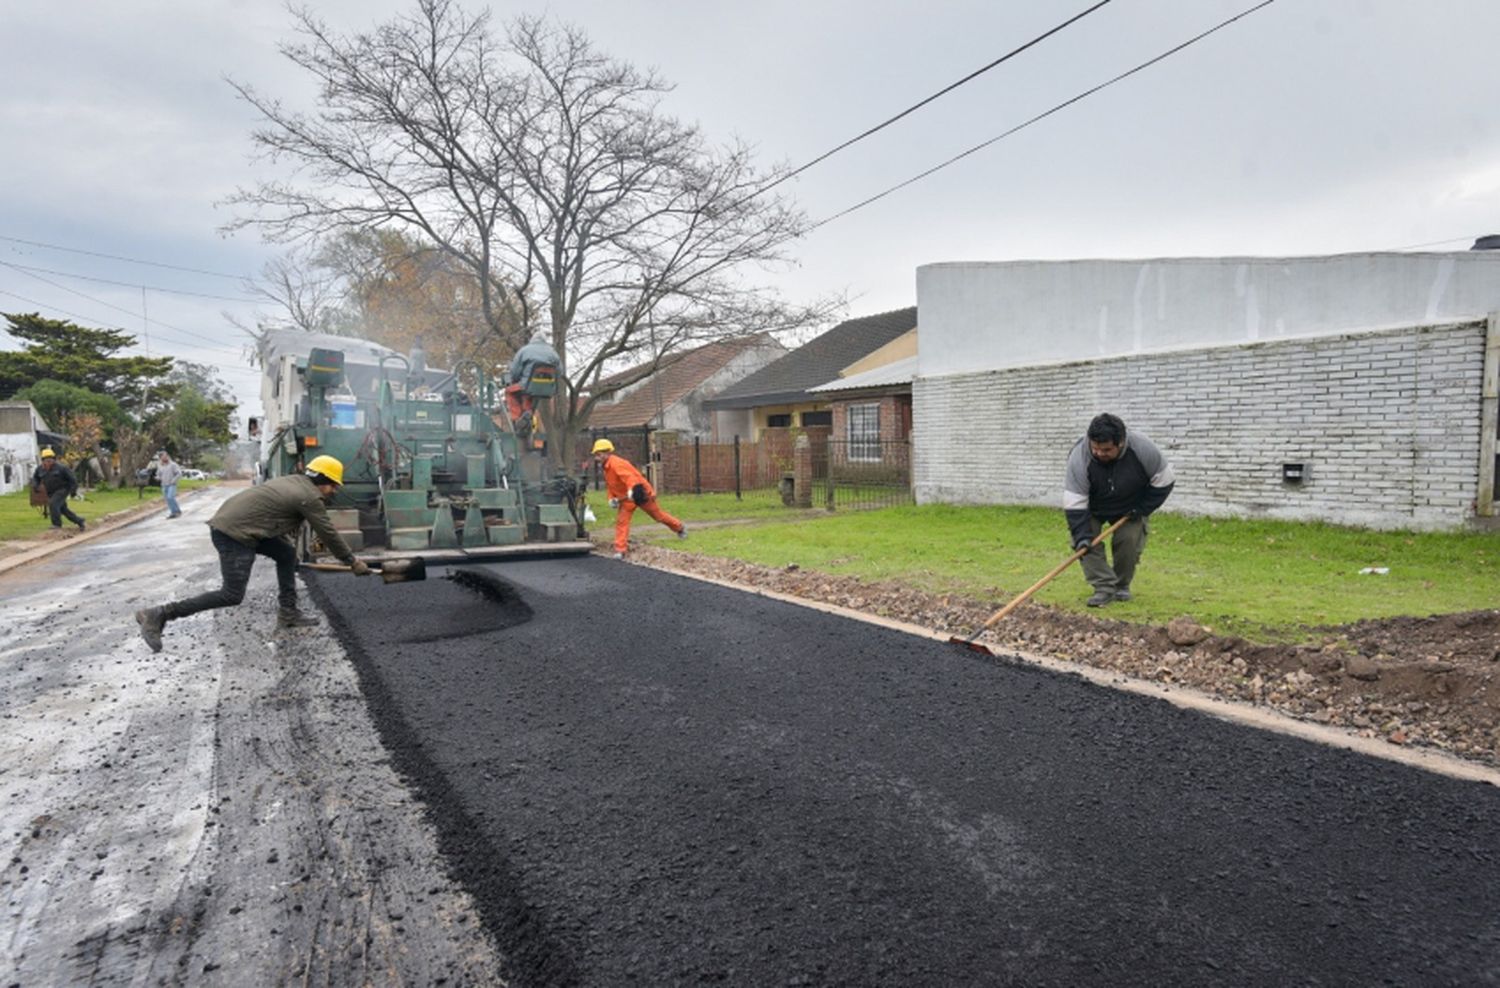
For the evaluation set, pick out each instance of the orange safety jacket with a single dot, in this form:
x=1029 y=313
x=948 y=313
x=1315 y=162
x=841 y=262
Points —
x=620 y=477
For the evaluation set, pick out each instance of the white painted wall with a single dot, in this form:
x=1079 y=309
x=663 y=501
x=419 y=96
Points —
x=20 y=455
x=18 y=446
x=978 y=316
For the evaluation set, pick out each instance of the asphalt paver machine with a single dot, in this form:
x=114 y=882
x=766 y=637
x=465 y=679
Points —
x=445 y=465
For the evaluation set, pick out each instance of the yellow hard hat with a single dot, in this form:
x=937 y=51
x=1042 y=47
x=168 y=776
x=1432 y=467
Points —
x=603 y=446
x=47 y=454
x=328 y=467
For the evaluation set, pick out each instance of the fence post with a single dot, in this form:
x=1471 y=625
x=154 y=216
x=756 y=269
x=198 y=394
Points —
x=737 y=467
x=649 y=468
x=697 y=465
x=831 y=474
x=802 y=472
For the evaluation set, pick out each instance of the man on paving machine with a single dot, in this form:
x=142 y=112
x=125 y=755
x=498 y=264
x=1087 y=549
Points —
x=1111 y=477
x=256 y=522
x=628 y=490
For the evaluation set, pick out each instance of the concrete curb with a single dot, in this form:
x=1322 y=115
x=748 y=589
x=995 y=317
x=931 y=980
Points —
x=114 y=523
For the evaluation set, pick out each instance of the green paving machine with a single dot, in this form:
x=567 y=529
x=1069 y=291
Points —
x=445 y=465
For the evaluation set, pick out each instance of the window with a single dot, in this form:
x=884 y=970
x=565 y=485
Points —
x=810 y=419
x=778 y=421
x=864 y=433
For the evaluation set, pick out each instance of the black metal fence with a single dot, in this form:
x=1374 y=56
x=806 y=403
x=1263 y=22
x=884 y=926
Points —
x=864 y=474
x=832 y=474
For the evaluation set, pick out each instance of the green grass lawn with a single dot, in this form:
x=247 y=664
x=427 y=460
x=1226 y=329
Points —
x=1262 y=579
x=19 y=520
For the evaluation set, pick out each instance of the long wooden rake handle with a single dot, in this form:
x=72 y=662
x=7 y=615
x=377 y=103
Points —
x=328 y=567
x=1039 y=584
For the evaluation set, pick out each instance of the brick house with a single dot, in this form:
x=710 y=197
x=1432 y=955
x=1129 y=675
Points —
x=671 y=398
x=874 y=408
x=782 y=395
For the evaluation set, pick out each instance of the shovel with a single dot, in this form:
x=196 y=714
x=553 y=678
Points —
x=1022 y=597
x=390 y=570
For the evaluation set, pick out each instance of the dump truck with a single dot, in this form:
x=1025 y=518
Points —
x=446 y=465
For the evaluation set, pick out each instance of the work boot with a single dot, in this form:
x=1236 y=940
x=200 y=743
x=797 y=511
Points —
x=151 y=620
x=1101 y=597
x=81 y=525
x=290 y=617
x=682 y=532
x=1123 y=594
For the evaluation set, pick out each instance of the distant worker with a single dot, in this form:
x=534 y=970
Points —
x=55 y=479
x=168 y=473
x=628 y=490
x=1110 y=477
x=256 y=522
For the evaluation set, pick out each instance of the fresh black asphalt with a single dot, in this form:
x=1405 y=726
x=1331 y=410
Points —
x=648 y=780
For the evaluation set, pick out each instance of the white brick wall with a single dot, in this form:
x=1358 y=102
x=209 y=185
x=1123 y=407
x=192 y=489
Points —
x=1386 y=423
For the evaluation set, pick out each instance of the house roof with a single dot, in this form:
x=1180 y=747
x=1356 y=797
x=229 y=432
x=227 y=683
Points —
x=679 y=375
x=819 y=361
x=897 y=372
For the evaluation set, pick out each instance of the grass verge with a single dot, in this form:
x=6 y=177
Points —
x=19 y=520
x=1265 y=580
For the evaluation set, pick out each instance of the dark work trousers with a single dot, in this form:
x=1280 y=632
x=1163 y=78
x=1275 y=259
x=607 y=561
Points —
x=57 y=507
x=235 y=560
x=1125 y=546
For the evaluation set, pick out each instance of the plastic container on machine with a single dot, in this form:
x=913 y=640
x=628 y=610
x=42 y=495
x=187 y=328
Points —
x=344 y=413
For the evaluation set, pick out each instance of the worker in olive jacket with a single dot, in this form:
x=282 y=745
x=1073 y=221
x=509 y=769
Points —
x=257 y=522
x=1112 y=475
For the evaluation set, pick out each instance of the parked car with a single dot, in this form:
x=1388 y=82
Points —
x=194 y=474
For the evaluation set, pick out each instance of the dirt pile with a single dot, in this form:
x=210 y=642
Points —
x=1412 y=681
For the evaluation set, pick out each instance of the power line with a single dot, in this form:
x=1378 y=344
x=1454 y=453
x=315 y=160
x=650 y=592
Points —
x=109 y=305
x=1042 y=116
x=129 y=284
x=1435 y=243
x=128 y=260
x=77 y=315
x=941 y=92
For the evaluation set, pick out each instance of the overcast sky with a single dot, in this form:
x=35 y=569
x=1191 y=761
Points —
x=1308 y=127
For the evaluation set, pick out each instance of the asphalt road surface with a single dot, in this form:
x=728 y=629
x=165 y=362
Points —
x=643 y=779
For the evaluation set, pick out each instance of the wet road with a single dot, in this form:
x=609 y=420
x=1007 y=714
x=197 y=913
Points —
x=219 y=813
x=644 y=779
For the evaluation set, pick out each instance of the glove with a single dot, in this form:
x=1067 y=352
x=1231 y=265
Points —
x=638 y=494
x=359 y=568
x=1082 y=542
x=614 y=502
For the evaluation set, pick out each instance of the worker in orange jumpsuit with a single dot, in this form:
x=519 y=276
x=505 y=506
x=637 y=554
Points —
x=628 y=490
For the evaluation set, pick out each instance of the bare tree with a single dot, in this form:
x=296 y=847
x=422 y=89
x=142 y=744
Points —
x=303 y=296
x=546 y=169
